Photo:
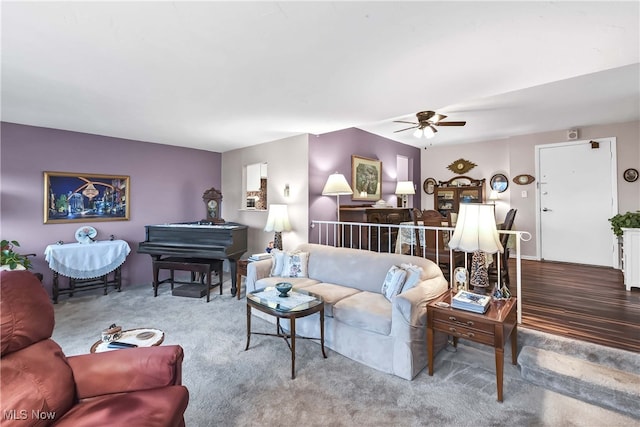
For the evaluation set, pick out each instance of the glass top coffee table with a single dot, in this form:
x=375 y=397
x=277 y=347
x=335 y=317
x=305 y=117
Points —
x=299 y=303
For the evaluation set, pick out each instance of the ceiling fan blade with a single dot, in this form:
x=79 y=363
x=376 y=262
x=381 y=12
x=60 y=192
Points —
x=412 y=127
x=437 y=117
x=403 y=121
x=450 y=123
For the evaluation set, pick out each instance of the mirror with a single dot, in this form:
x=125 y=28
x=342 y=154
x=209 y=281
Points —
x=256 y=186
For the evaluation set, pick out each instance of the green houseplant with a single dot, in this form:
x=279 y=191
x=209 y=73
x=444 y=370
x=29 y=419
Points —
x=627 y=220
x=11 y=259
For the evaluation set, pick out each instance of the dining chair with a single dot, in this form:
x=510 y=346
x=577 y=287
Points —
x=507 y=224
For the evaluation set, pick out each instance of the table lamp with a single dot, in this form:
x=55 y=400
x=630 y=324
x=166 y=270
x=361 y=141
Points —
x=278 y=221
x=337 y=185
x=404 y=188
x=476 y=232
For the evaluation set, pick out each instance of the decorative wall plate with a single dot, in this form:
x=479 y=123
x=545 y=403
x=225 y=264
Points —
x=461 y=166
x=429 y=185
x=86 y=234
x=630 y=175
x=523 y=179
x=499 y=182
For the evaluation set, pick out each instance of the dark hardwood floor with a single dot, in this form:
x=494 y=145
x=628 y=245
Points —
x=581 y=302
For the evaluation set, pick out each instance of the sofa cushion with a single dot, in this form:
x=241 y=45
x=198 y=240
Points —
x=295 y=264
x=414 y=274
x=365 y=310
x=277 y=263
x=331 y=294
x=393 y=281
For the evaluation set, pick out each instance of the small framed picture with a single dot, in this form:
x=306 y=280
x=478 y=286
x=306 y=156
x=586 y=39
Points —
x=630 y=175
x=460 y=279
x=499 y=182
x=429 y=185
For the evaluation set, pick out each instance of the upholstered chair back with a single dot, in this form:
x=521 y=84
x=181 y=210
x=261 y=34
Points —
x=34 y=373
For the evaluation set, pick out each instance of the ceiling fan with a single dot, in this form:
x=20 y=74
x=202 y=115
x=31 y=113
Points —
x=426 y=122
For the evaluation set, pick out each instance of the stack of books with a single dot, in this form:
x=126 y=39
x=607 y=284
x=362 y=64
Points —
x=465 y=300
x=258 y=257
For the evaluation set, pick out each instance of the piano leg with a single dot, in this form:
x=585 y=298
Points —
x=233 y=265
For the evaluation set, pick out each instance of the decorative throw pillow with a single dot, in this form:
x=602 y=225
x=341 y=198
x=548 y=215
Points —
x=414 y=273
x=295 y=265
x=393 y=282
x=277 y=258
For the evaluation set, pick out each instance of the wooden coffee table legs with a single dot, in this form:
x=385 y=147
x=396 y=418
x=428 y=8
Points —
x=290 y=338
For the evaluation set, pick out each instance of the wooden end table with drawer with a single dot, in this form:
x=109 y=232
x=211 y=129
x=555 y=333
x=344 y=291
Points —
x=492 y=328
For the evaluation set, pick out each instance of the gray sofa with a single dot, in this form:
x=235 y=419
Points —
x=360 y=322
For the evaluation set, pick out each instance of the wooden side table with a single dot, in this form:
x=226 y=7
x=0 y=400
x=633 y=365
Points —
x=492 y=328
x=241 y=270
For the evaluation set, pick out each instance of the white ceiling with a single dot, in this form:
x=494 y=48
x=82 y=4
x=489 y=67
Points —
x=223 y=75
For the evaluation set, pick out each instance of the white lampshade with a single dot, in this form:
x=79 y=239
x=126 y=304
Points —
x=493 y=195
x=278 y=219
x=336 y=185
x=405 y=187
x=476 y=229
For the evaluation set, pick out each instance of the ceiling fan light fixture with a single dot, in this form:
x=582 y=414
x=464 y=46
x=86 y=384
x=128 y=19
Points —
x=418 y=133
x=429 y=132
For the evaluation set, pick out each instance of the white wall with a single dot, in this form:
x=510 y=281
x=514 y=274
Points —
x=287 y=161
x=516 y=155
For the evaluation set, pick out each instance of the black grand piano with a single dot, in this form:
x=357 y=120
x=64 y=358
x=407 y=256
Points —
x=199 y=239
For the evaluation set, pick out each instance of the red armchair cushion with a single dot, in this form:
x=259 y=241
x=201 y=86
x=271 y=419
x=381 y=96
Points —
x=26 y=313
x=126 y=370
x=149 y=408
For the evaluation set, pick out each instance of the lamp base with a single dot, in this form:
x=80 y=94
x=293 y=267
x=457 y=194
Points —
x=479 y=278
x=277 y=240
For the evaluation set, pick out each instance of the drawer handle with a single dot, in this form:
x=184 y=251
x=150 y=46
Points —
x=453 y=318
x=468 y=335
x=470 y=323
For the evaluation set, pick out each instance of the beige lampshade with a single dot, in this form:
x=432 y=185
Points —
x=476 y=229
x=336 y=185
x=405 y=187
x=278 y=218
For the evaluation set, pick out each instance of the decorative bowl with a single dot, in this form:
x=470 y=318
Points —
x=283 y=288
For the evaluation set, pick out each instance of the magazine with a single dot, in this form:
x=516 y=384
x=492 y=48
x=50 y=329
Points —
x=469 y=301
x=258 y=257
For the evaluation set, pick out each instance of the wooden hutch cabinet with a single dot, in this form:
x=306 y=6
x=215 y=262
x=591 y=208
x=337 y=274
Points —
x=378 y=241
x=449 y=194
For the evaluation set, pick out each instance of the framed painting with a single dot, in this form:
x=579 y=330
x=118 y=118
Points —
x=366 y=178
x=82 y=197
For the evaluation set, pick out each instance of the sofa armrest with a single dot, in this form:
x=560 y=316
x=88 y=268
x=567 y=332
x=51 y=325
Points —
x=126 y=370
x=257 y=270
x=411 y=305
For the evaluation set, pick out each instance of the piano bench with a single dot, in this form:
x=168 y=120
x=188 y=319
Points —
x=195 y=265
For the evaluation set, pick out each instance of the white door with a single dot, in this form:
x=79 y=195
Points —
x=577 y=194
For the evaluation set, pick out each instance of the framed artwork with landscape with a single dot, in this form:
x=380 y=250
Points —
x=366 y=178
x=82 y=197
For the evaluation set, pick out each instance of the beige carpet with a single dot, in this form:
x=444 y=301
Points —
x=232 y=387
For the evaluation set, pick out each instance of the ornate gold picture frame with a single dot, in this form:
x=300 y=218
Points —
x=82 y=197
x=366 y=178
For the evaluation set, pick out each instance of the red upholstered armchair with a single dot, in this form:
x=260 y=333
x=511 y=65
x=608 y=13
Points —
x=41 y=386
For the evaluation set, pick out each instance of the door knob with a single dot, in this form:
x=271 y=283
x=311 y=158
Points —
x=546 y=210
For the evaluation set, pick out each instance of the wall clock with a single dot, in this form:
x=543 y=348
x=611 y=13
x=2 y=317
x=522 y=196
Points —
x=630 y=175
x=213 y=201
x=86 y=234
x=523 y=179
x=461 y=166
x=429 y=185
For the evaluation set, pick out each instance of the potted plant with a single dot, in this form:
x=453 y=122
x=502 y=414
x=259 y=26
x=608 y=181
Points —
x=627 y=220
x=11 y=260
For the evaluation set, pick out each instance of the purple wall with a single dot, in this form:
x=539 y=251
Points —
x=167 y=184
x=332 y=152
